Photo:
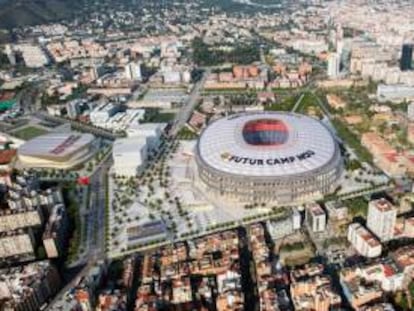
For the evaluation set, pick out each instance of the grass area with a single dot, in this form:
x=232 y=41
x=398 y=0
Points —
x=297 y=253
x=352 y=140
x=165 y=117
x=229 y=90
x=155 y=115
x=297 y=246
x=186 y=134
x=75 y=226
x=285 y=105
x=357 y=207
x=29 y=132
x=401 y=299
x=309 y=106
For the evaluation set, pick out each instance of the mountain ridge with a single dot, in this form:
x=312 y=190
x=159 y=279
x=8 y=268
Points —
x=16 y=13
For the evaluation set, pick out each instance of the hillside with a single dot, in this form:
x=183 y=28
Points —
x=14 y=13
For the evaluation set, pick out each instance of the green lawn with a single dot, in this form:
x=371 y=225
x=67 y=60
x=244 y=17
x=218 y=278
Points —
x=352 y=140
x=357 y=206
x=164 y=117
x=155 y=115
x=29 y=132
x=186 y=134
x=285 y=105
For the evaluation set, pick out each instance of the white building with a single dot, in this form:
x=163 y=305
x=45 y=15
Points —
x=315 y=217
x=150 y=131
x=171 y=77
x=297 y=219
x=381 y=219
x=33 y=55
x=410 y=111
x=397 y=92
x=388 y=275
x=334 y=62
x=102 y=113
x=130 y=155
x=309 y=46
x=11 y=56
x=133 y=71
x=363 y=241
x=280 y=228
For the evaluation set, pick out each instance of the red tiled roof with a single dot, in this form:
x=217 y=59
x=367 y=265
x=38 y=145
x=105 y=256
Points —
x=7 y=155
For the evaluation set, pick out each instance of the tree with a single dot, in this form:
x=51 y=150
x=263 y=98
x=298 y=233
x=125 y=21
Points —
x=41 y=252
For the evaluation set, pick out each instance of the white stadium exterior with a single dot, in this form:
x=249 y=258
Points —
x=57 y=150
x=278 y=157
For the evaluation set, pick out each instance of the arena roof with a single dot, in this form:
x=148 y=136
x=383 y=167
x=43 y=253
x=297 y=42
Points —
x=266 y=144
x=55 y=145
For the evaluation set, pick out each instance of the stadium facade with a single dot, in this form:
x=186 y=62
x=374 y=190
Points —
x=278 y=157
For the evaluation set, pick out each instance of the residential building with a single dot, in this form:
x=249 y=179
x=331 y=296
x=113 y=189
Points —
x=33 y=55
x=334 y=63
x=315 y=217
x=395 y=92
x=103 y=112
x=133 y=71
x=406 y=57
x=313 y=292
x=17 y=246
x=381 y=218
x=410 y=111
x=28 y=287
x=55 y=232
x=363 y=241
x=357 y=291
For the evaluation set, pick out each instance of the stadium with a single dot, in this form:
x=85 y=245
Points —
x=278 y=157
x=56 y=150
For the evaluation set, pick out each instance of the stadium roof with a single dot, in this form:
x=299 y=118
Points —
x=55 y=144
x=266 y=144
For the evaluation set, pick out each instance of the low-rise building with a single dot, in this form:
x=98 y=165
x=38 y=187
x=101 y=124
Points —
x=357 y=291
x=313 y=292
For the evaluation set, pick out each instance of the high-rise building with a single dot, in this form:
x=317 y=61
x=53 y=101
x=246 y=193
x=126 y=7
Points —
x=381 y=219
x=11 y=56
x=133 y=71
x=315 y=217
x=334 y=62
x=406 y=57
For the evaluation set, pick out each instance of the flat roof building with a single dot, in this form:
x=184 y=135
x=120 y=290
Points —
x=315 y=217
x=364 y=241
x=57 y=150
x=130 y=155
x=381 y=218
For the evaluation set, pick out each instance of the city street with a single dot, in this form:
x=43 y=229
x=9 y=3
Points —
x=185 y=112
